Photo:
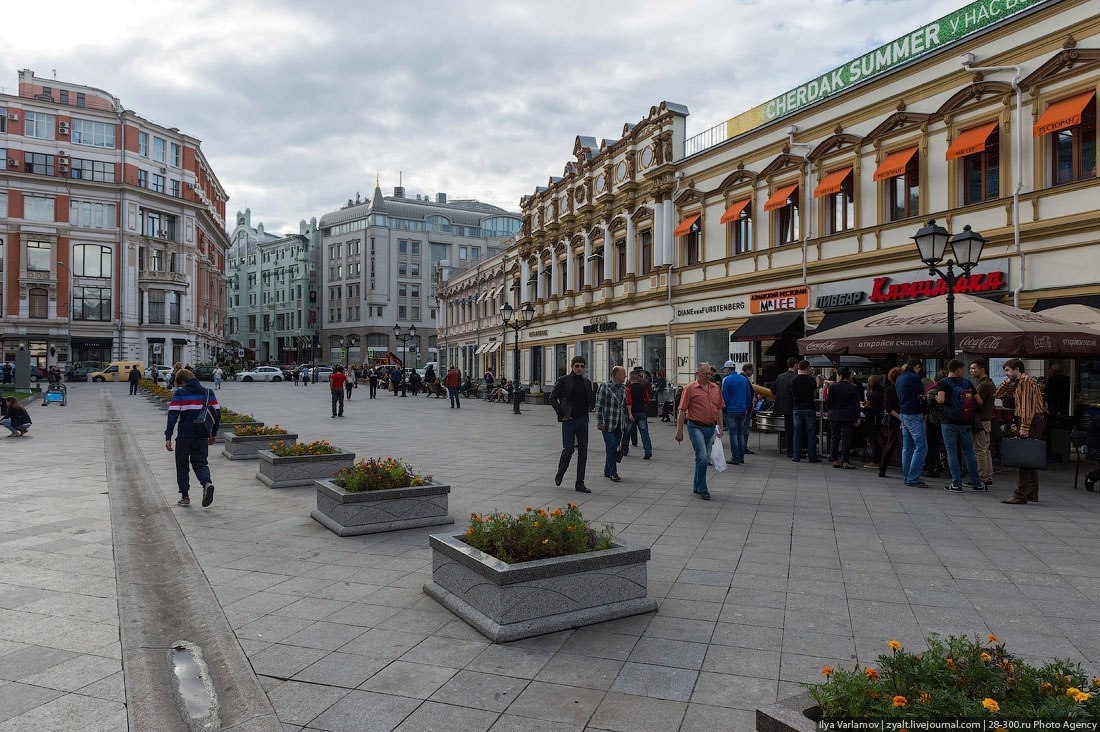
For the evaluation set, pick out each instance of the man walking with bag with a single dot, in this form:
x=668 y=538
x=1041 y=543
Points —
x=1027 y=400
x=611 y=420
x=336 y=384
x=572 y=399
x=960 y=402
x=195 y=409
x=701 y=408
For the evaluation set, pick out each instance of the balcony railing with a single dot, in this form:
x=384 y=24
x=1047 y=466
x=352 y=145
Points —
x=156 y=275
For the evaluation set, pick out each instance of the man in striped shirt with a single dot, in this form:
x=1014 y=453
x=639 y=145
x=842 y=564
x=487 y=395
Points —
x=1027 y=399
x=187 y=402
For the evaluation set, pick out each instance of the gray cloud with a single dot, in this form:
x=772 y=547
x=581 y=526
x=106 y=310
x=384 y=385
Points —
x=299 y=105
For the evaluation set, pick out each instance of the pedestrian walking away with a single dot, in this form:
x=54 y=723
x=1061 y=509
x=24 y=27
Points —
x=611 y=420
x=701 y=408
x=804 y=411
x=188 y=411
x=15 y=418
x=134 y=377
x=572 y=398
x=842 y=403
x=336 y=384
x=350 y=383
x=218 y=376
x=637 y=401
x=960 y=401
x=983 y=426
x=737 y=396
x=297 y=376
x=1027 y=404
x=372 y=382
x=453 y=382
x=914 y=442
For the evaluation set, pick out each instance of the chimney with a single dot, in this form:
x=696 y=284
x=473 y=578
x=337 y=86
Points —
x=441 y=198
x=399 y=191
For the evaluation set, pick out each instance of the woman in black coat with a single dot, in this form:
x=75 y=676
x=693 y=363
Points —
x=842 y=403
x=873 y=411
x=891 y=422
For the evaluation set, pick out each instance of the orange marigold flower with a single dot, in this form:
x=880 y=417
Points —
x=925 y=697
x=1072 y=691
x=529 y=509
x=871 y=673
x=545 y=541
x=827 y=670
x=469 y=532
x=571 y=506
x=556 y=512
x=900 y=701
x=569 y=529
x=985 y=657
x=1096 y=680
x=873 y=694
x=991 y=705
x=992 y=638
x=894 y=645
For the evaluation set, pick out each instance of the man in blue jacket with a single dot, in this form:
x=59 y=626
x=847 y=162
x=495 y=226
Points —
x=187 y=402
x=737 y=394
x=914 y=439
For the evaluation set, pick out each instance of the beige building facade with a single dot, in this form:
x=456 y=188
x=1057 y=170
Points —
x=662 y=250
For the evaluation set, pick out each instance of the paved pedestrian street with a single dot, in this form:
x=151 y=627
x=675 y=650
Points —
x=790 y=568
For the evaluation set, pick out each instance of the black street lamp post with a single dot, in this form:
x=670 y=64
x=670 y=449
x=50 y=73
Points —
x=404 y=338
x=521 y=322
x=932 y=241
x=349 y=343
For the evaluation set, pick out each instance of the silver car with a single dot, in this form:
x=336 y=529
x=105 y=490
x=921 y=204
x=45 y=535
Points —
x=261 y=373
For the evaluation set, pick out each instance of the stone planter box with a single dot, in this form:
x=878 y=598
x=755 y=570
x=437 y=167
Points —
x=506 y=602
x=794 y=714
x=287 y=472
x=224 y=428
x=238 y=447
x=541 y=397
x=370 y=512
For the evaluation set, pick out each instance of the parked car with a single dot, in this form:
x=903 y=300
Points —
x=261 y=373
x=204 y=373
x=157 y=371
x=323 y=373
x=38 y=374
x=114 y=369
x=80 y=373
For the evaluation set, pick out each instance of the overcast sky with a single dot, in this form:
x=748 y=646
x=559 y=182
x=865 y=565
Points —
x=300 y=104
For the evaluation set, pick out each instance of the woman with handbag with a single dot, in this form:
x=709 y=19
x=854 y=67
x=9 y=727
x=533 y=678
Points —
x=1027 y=400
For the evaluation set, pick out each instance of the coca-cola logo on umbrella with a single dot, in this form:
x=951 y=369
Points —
x=820 y=346
x=985 y=343
x=1043 y=341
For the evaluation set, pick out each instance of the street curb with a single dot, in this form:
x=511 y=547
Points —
x=163 y=598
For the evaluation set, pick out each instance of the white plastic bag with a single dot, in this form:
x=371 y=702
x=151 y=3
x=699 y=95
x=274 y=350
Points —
x=718 y=454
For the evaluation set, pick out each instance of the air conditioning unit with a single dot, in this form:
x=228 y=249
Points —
x=163 y=169
x=62 y=128
x=157 y=348
x=62 y=168
x=14 y=117
x=64 y=160
x=190 y=186
x=12 y=163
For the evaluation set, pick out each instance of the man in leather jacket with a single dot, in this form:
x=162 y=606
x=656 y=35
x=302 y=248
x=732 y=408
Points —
x=572 y=399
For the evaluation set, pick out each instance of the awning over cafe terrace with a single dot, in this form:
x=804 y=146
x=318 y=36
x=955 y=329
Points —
x=766 y=327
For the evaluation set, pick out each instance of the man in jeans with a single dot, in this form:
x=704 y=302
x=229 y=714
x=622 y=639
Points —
x=783 y=404
x=612 y=418
x=954 y=393
x=336 y=387
x=914 y=440
x=804 y=410
x=986 y=389
x=134 y=377
x=187 y=403
x=701 y=408
x=572 y=399
x=453 y=381
x=737 y=396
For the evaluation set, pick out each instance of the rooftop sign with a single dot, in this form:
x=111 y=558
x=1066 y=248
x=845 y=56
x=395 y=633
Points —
x=969 y=19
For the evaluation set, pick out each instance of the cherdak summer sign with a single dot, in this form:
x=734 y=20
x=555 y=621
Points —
x=950 y=28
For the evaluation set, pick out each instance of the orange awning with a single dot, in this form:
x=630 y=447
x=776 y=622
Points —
x=734 y=212
x=1064 y=113
x=779 y=198
x=685 y=225
x=894 y=164
x=971 y=141
x=832 y=183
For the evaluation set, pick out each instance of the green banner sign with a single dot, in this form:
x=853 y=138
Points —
x=935 y=35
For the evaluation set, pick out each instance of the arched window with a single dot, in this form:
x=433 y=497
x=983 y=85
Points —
x=499 y=226
x=438 y=223
x=38 y=300
x=91 y=260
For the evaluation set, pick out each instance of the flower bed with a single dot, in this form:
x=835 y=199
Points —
x=247 y=447
x=286 y=465
x=258 y=429
x=508 y=601
x=954 y=678
x=380 y=494
x=230 y=420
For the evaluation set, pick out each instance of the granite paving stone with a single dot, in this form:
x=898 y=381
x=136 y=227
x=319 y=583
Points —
x=659 y=682
x=556 y=703
x=629 y=713
x=480 y=690
x=365 y=711
x=415 y=680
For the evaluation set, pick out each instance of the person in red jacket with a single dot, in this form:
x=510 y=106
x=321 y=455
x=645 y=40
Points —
x=336 y=387
x=453 y=381
x=637 y=399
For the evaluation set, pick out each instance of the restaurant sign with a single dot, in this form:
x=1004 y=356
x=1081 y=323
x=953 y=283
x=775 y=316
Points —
x=988 y=277
x=777 y=301
x=927 y=39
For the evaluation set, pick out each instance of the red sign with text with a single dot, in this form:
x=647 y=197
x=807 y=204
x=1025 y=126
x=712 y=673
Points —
x=883 y=291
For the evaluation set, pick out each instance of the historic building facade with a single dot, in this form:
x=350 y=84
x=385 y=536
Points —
x=662 y=250
x=273 y=292
x=470 y=330
x=379 y=266
x=112 y=232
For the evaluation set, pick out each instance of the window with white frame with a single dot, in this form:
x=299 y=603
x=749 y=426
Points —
x=3 y=203
x=37 y=208
x=158 y=183
x=97 y=170
x=92 y=260
x=177 y=154
x=160 y=149
x=174 y=188
x=143 y=144
x=96 y=134
x=38 y=125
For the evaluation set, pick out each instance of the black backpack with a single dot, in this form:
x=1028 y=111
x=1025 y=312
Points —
x=961 y=404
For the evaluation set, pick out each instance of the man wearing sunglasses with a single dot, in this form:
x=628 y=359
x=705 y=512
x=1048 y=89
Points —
x=572 y=399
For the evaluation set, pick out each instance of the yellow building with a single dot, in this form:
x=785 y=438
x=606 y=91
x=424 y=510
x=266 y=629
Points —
x=661 y=250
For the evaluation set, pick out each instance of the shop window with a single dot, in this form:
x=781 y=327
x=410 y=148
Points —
x=647 y=251
x=1073 y=149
